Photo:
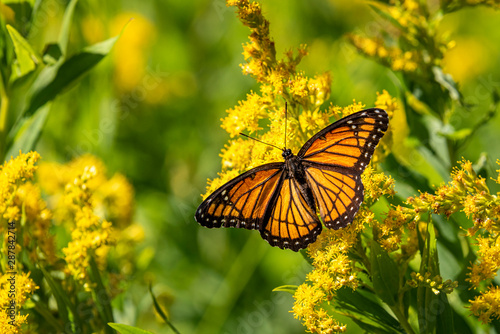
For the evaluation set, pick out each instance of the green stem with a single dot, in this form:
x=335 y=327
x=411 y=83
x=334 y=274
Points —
x=403 y=321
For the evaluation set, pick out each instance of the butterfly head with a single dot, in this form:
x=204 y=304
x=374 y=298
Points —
x=287 y=153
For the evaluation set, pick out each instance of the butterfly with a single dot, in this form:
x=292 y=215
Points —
x=282 y=199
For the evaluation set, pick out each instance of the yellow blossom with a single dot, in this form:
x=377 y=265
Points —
x=488 y=262
x=24 y=289
x=487 y=305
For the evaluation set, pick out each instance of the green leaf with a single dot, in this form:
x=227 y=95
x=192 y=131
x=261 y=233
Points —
x=125 y=329
x=65 y=27
x=287 y=288
x=27 y=59
x=385 y=275
x=54 y=79
x=363 y=310
x=29 y=131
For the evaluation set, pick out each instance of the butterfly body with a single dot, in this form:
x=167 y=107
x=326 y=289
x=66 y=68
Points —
x=282 y=199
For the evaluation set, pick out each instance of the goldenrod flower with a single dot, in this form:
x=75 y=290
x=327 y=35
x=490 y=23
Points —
x=11 y=319
x=487 y=305
x=12 y=174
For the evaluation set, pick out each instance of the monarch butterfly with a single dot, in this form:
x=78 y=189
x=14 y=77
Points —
x=280 y=199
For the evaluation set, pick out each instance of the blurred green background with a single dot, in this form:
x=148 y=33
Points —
x=151 y=110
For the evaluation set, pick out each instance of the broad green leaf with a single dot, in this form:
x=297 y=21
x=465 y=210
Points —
x=125 y=329
x=29 y=131
x=287 y=288
x=385 y=274
x=27 y=59
x=66 y=26
x=54 y=79
x=362 y=309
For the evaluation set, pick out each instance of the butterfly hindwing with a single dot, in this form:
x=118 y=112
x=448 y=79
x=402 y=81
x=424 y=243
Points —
x=347 y=144
x=338 y=196
x=292 y=223
x=242 y=201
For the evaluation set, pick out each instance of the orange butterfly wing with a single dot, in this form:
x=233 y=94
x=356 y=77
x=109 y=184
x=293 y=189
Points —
x=292 y=223
x=242 y=202
x=334 y=159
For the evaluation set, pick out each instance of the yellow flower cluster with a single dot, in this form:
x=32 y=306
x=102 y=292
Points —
x=487 y=305
x=86 y=202
x=91 y=235
x=333 y=270
x=12 y=174
x=393 y=57
x=466 y=192
x=112 y=198
x=21 y=203
x=24 y=288
x=416 y=47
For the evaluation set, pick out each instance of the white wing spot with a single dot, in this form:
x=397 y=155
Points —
x=226 y=198
x=366 y=155
x=353 y=127
x=207 y=219
x=223 y=221
x=231 y=221
x=369 y=144
x=374 y=136
x=224 y=192
x=202 y=215
x=349 y=122
x=377 y=111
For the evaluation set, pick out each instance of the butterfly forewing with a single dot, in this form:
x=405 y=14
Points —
x=348 y=143
x=242 y=201
x=292 y=222
x=338 y=195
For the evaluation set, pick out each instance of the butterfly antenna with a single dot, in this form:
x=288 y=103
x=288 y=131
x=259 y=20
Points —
x=286 y=118
x=260 y=141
